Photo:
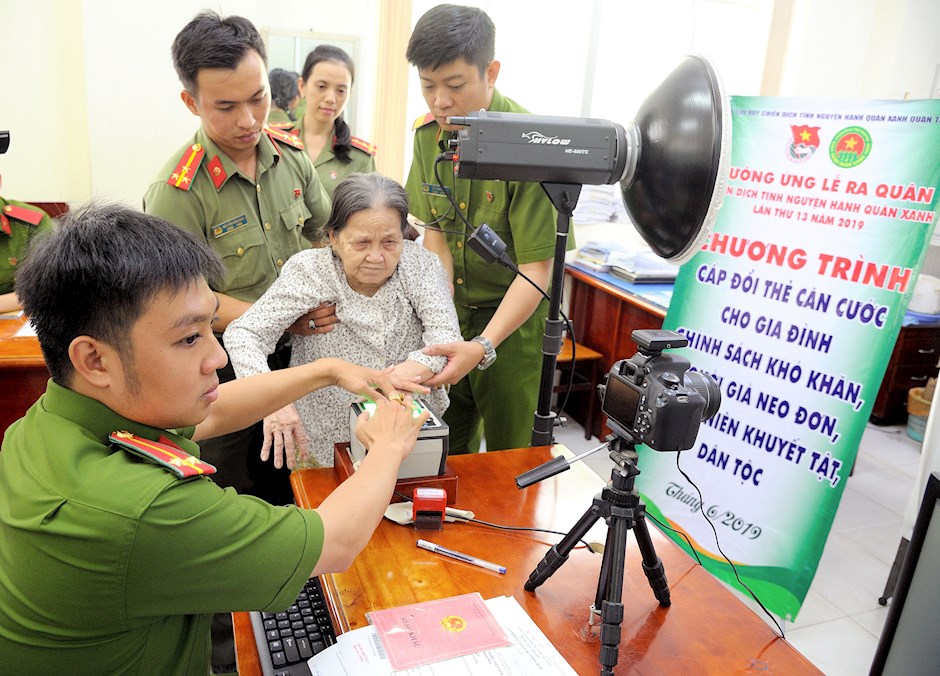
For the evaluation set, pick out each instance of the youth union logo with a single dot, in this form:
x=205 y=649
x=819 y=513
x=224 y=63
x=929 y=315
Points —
x=805 y=142
x=850 y=147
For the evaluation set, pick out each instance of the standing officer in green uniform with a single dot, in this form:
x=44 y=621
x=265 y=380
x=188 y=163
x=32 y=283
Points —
x=285 y=96
x=251 y=193
x=117 y=546
x=325 y=83
x=20 y=224
x=500 y=312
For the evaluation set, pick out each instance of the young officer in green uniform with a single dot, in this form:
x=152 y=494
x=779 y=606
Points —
x=252 y=194
x=117 y=546
x=325 y=84
x=20 y=224
x=500 y=312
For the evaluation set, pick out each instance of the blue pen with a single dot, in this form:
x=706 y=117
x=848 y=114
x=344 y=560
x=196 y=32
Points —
x=466 y=558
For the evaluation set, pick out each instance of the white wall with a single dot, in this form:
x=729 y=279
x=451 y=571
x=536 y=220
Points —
x=100 y=111
x=92 y=100
x=44 y=103
x=873 y=49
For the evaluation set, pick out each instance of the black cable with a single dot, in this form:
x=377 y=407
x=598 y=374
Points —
x=507 y=262
x=677 y=532
x=701 y=503
x=502 y=527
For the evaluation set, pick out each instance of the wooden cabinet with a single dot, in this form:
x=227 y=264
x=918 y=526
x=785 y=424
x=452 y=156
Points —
x=604 y=315
x=913 y=361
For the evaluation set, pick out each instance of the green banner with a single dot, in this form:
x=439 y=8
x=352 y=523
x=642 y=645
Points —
x=793 y=305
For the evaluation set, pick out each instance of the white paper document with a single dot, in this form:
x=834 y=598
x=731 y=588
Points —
x=25 y=331
x=360 y=652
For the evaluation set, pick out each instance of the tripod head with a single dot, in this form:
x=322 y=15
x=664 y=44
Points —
x=622 y=452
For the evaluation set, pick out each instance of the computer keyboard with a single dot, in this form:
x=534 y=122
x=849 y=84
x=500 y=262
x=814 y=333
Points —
x=288 y=639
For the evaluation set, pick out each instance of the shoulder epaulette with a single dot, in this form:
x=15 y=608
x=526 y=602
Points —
x=164 y=452
x=286 y=126
x=31 y=215
x=284 y=137
x=423 y=120
x=185 y=171
x=364 y=146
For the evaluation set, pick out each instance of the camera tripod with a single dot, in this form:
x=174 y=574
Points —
x=620 y=506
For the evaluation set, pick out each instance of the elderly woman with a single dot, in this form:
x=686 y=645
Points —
x=391 y=298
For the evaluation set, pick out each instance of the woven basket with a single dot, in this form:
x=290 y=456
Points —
x=918 y=409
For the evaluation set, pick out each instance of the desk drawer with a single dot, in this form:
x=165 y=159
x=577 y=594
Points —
x=918 y=345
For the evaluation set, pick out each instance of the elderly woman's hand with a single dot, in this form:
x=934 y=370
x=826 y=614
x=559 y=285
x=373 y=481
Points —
x=285 y=433
x=317 y=321
x=410 y=370
x=369 y=382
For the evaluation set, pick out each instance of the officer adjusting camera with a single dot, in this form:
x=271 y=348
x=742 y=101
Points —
x=653 y=398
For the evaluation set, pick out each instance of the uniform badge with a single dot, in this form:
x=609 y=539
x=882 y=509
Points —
x=434 y=189
x=230 y=225
x=162 y=452
x=489 y=196
x=297 y=193
x=217 y=172
x=13 y=261
x=332 y=175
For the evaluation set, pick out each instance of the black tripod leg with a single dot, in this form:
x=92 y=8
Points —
x=610 y=588
x=652 y=564
x=558 y=554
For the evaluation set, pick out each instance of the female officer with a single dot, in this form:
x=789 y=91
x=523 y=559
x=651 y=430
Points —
x=324 y=83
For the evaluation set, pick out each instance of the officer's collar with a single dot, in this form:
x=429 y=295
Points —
x=101 y=421
x=267 y=152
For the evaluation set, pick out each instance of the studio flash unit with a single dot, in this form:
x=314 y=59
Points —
x=542 y=148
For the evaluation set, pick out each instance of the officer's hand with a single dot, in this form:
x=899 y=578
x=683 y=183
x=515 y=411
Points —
x=462 y=357
x=317 y=321
x=285 y=433
x=371 y=383
x=392 y=429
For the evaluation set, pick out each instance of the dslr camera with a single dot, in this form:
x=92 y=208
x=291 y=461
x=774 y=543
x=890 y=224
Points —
x=652 y=398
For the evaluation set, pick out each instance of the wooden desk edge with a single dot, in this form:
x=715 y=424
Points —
x=626 y=296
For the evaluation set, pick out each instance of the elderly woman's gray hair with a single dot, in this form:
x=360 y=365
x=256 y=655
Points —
x=359 y=192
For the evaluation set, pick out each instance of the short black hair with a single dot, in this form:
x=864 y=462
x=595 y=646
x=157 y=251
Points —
x=209 y=41
x=284 y=88
x=447 y=33
x=358 y=192
x=343 y=143
x=96 y=273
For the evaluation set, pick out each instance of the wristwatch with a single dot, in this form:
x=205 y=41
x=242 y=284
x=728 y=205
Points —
x=489 y=352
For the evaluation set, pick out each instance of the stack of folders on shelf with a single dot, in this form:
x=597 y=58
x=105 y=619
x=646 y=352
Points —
x=636 y=265
x=455 y=636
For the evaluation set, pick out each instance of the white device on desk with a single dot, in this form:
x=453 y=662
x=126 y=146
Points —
x=430 y=452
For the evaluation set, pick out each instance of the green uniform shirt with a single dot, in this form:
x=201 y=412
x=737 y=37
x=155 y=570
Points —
x=279 y=117
x=520 y=213
x=110 y=564
x=502 y=398
x=333 y=170
x=13 y=244
x=254 y=225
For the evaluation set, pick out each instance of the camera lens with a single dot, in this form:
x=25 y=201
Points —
x=706 y=386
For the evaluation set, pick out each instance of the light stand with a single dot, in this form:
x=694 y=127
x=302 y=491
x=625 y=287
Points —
x=564 y=197
x=621 y=508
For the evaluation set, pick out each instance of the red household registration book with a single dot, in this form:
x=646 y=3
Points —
x=422 y=633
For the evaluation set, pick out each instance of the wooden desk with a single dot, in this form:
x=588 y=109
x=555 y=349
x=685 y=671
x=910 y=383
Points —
x=707 y=630
x=604 y=315
x=23 y=372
